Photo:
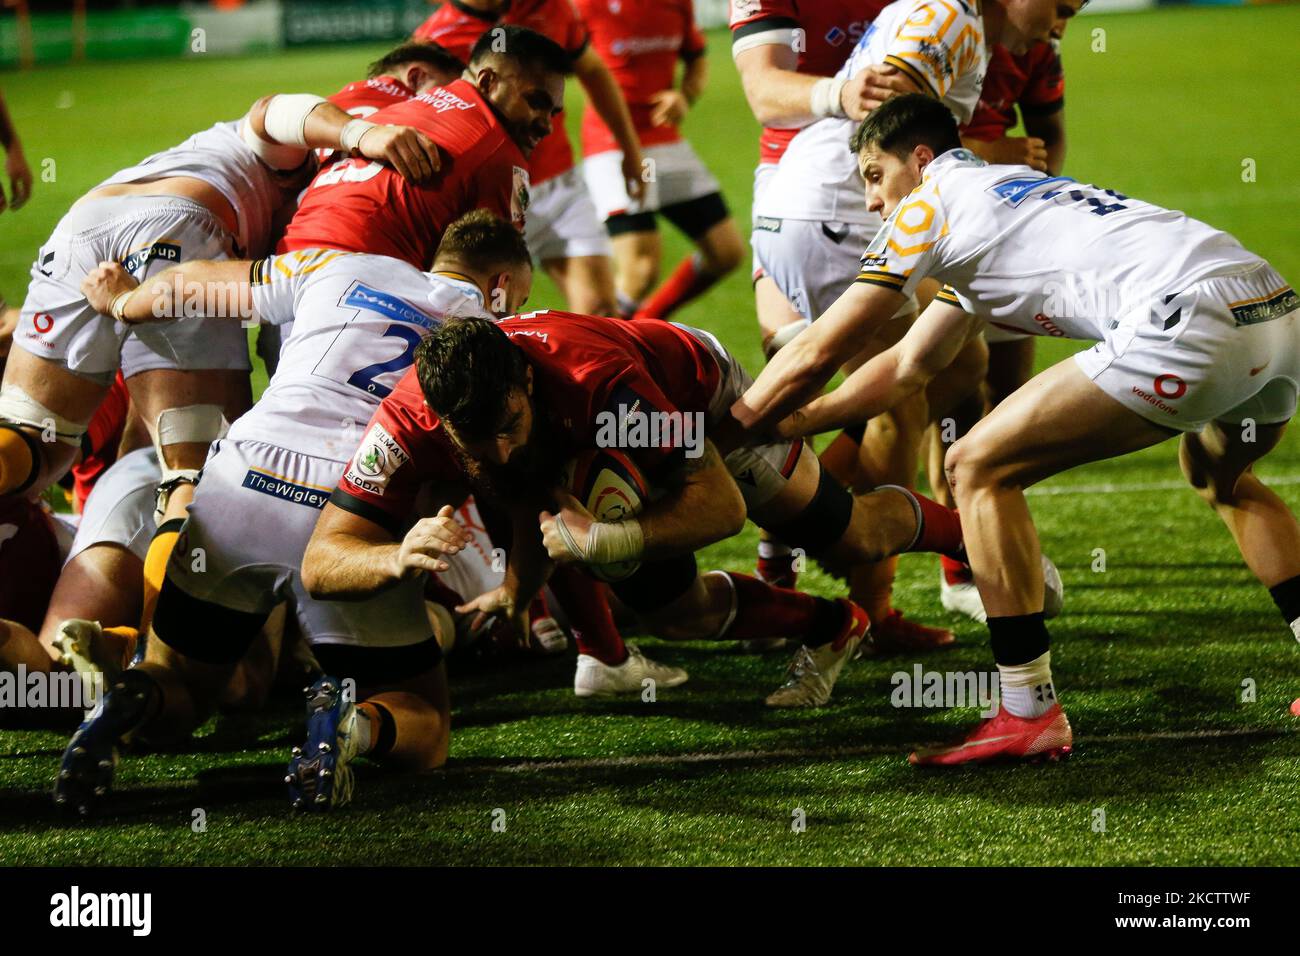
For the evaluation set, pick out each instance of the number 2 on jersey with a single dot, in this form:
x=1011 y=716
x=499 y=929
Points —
x=364 y=378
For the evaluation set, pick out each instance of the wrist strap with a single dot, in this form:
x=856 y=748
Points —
x=350 y=136
x=825 y=98
x=117 y=308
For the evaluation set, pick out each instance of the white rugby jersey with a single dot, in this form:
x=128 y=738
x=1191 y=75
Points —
x=356 y=322
x=219 y=156
x=1044 y=254
x=939 y=44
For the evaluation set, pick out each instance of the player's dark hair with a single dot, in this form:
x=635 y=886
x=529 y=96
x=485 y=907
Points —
x=466 y=369
x=431 y=54
x=483 y=241
x=528 y=48
x=902 y=123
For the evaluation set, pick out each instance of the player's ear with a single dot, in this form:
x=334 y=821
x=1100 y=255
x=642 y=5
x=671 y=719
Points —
x=485 y=79
x=923 y=155
x=499 y=299
x=417 y=78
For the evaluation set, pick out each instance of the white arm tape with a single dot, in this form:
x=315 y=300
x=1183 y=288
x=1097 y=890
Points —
x=273 y=154
x=286 y=117
x=607 y=541
x=825 y=98
x=777 y=36
x=19 y=408
x=350 y=137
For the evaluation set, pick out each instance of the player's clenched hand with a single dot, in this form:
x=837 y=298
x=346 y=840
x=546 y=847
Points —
x=668 y=108
x=870 y=87
x=634 y=173
x=1015 y=151
x=567 y=534
x=104 y=283
x=428 y=542
x=20 y=179
x=409 y=151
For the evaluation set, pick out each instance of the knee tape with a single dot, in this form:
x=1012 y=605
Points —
x=19 y=408
x=201 y=424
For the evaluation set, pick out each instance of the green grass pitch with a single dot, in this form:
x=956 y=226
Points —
x=1150 y=654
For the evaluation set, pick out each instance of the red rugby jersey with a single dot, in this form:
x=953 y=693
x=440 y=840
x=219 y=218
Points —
x=641 y=42
x=585 y=365
x=830 y=28
x=404 y=448
x=1035 y=80
x=366 y=96
x=360 y=206
x=456 y=28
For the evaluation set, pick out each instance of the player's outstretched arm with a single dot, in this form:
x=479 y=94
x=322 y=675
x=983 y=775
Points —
x=781 y=96
x=705 y=507
x=350 y=557
x=203 y=288
x=809 y=361
x=878 y=385
x=282 y=129
x=607 y=100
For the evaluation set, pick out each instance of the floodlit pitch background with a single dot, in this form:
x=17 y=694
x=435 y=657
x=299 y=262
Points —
x=1150 y=656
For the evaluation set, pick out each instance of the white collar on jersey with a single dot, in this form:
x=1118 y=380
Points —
x=462 y=283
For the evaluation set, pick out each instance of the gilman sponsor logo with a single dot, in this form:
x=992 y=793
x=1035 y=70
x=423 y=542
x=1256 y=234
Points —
x=376 y=460
x=75 y=909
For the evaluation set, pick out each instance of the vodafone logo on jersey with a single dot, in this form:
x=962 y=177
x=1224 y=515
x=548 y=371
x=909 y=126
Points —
x=42 y=322
x=1170 y=386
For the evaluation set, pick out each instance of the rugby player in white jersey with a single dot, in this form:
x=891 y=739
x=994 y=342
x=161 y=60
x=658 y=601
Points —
x=810 y=222
x=1196 y=336
x=214 y=196
x=356 y=322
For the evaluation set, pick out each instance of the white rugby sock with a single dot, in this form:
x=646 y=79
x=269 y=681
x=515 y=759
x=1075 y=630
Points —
x=1026 y=689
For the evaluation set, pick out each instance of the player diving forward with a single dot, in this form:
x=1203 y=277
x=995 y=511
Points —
x=544 y=387
x=1195 y=335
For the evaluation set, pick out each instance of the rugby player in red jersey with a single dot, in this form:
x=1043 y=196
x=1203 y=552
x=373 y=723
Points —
x=397 y=76
x=564 y=232
x=559 y=383
x=483 y=129
x=641 y=41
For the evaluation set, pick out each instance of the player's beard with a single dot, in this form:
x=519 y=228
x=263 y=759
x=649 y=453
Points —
x=532 y=471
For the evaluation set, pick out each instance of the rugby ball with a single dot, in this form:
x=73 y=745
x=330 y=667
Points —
x=612 y=488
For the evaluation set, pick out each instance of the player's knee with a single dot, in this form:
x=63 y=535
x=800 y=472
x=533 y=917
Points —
x=967 y=468
x=724 y=252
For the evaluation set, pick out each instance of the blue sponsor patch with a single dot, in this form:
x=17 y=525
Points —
x=372 y=300
x=835 y=36
x=161 y=251
x=1015 y=191
x=269 y=484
